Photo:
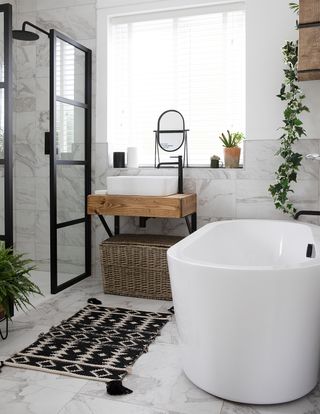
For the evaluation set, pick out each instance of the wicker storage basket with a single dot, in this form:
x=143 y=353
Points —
x=136 y=265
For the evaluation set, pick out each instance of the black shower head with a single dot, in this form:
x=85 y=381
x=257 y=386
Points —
x=24 y=35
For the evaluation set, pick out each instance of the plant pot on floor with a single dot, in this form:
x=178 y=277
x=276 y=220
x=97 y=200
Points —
x=232 y=157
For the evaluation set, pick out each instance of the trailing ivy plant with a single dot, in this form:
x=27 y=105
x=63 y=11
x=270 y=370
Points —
x=292 y=130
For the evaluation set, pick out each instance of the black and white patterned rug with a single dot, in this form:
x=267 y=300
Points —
x=98 y=343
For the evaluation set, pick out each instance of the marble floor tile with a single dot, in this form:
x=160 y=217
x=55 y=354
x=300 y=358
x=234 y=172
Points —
x=83 y=404
x=157 y=380
x=307 y=405
x=30 y=398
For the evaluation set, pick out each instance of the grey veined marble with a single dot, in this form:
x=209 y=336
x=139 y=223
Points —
x=158 y=382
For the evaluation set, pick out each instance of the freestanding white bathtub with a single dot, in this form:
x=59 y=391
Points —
x=247 y=304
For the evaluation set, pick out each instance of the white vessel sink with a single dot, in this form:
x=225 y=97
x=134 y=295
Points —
x=142 y=185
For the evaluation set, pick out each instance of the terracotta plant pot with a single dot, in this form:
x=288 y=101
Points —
x=231 y=157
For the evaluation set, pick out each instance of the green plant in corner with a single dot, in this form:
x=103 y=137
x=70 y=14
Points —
x=15 y=284
x=292 y=130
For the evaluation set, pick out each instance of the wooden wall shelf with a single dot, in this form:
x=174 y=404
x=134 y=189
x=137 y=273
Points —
x=173 y=206
x=309 y=40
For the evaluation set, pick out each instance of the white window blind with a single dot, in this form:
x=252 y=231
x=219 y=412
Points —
x=65 y=68
x=191 y=60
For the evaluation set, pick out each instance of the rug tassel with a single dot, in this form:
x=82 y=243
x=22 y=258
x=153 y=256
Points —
x=171 y=310
x=116 y=388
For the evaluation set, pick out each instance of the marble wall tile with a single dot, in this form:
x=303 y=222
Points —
x=305 y=191
x=47 y=4
x=42 y=227
x=254 y=201
x=24 y=128
x=77 y=22
x=25 y=160
x=73 y=236
x=43 y=57
x=25 y=60
x=26 y=6
x=42 y=255
x=27 y=248
x=70 y=192
x=42 y=120
x=42 y=94
x=100 y=165
x=25 y=226
x=71 y=260
x=24 y=96
x=216 y=198
x=25 y=193
x=43 y=169
x=42 y=193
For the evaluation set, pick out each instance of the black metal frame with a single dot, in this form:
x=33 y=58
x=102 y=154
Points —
x=7 y=237
x=6 y=9
x=306 y=213
x=192 y=227
x=25 y=23
x=54 y=226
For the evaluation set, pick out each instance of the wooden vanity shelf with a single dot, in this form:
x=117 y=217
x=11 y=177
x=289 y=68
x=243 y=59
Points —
x=309 y=40
x=172 y=206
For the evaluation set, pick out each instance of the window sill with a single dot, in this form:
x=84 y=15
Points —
x=151 y=167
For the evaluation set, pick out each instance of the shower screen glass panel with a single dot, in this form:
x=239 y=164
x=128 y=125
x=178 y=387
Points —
x=2 y=47
x=2 y=123
x=70 y=67
x=70 y=160
x=71 y=252
x=2 y=175
x=70 y=190
x=70 y=131
x=2 y=229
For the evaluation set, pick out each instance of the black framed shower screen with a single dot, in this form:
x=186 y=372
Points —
x=70 y=161
x=6 y=109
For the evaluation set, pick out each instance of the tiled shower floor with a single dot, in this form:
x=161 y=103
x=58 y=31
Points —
x=157 y=380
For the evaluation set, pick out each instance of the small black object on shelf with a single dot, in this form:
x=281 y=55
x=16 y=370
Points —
x=118 y=160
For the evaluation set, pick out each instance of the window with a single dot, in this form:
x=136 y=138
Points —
x=65 y=87
x=192 y=60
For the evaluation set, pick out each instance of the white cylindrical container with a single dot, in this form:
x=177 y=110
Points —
x=132 y=157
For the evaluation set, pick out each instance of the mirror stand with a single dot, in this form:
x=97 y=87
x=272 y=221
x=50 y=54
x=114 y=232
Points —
x=171 y=136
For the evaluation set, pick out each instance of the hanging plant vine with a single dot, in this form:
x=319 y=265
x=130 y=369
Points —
x=292 y=129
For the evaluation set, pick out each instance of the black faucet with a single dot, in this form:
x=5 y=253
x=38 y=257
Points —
x=306 y=213
x=180 y=171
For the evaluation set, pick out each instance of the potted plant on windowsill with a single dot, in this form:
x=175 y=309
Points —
x=232 y=150
x=15 y=284
x=214 y=161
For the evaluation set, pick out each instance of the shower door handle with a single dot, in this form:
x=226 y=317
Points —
x=47 y=143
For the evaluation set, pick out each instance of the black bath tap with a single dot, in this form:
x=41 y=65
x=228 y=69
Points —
x=180 y=170
x=306 y=213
